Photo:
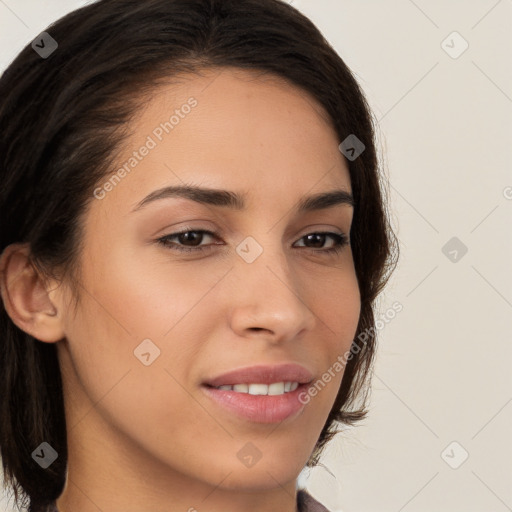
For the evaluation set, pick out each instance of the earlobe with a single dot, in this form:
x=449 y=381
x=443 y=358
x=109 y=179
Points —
x=25 y=296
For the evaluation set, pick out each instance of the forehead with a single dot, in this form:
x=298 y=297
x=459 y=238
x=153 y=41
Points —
x=231 y=128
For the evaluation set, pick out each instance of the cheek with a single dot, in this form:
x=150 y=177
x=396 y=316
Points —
x=121 y=307
x=127 y=301
x=336 y=301
x=148 y=293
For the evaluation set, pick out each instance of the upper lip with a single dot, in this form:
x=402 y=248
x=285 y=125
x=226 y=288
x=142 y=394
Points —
x=263 y=374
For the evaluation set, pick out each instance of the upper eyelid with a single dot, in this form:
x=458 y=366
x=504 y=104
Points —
x=215 y=232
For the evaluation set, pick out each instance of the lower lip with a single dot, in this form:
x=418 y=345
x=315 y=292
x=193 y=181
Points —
x=259 y=408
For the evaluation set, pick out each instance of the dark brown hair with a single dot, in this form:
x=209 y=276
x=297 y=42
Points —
x=63 y=118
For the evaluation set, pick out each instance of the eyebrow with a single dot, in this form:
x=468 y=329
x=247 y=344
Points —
x=236 y=201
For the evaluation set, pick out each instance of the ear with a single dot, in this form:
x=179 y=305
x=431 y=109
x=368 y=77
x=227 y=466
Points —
x=25 y=296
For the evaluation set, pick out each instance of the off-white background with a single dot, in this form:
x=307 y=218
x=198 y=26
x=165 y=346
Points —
x=443 y=365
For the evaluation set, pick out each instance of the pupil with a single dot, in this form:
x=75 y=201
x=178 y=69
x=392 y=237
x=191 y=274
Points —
x=317 y=236
x=196 y=237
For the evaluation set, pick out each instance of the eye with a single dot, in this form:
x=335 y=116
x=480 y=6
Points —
x=189 y=240
x=319 y=238
x=194 y=237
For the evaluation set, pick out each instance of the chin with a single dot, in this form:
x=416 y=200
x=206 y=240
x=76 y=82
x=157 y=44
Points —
x=263 y=476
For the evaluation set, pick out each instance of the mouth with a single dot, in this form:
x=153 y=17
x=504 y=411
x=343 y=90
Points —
x=260 y=394
x=273 y=389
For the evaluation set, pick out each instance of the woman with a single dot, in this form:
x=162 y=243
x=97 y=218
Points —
x=193 y=237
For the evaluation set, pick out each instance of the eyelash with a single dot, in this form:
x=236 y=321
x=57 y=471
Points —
x=340 y=239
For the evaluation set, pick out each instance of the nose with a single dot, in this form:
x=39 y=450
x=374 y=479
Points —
x=268 y=300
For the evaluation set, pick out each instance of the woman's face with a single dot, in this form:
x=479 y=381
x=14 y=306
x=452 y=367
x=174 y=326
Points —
x=156 y=326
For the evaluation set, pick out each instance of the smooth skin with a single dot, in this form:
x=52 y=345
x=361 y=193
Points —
x=147 y=437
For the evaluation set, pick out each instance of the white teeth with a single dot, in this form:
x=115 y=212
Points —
x=258 y=389
x=276 y=388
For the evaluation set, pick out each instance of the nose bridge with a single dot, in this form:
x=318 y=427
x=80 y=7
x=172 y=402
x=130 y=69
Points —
x=264 y=260
x=268 y=296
